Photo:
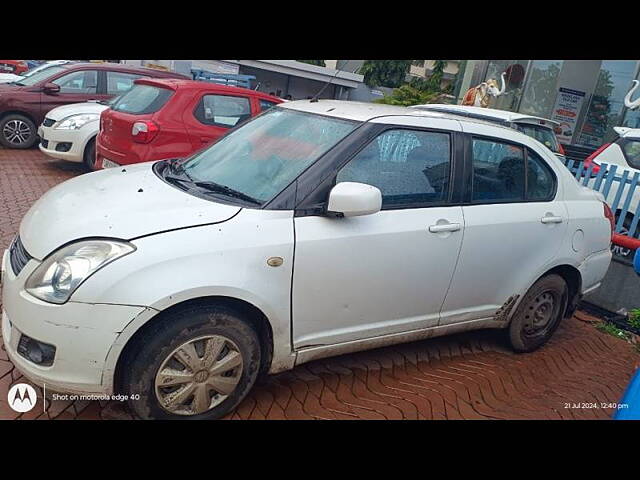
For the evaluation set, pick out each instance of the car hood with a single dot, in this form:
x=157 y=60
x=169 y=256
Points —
x=123 y=203
x=9 y=77
x=65 y=111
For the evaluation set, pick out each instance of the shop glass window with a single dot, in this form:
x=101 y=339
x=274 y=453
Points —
x=119 y=82
x=223 y=110
x=515 y=72
x=498 y=172
x=411 y=168
x=542 y=88
x=83 y=81
x=607 y=102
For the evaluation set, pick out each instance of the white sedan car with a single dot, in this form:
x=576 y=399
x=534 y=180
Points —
x=315 y=229
x=69 y=132
x=12 y=77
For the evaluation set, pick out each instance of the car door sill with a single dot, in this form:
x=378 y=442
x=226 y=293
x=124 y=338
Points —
x=315 y=352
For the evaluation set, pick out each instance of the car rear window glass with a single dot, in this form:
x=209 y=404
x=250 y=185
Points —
x=631 y=151
x=223 y=110
x=544 y=135
x=142 y=99
x=411 y=168
x=540 y=179
x=498 y=172
x=120 y=82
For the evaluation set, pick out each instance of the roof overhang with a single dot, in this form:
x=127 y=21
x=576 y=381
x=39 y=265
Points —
x=304 y=70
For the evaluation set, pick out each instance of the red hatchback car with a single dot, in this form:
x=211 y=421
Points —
x=165 y=118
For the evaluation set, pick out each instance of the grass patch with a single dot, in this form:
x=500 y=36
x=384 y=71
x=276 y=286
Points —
x=614 y=331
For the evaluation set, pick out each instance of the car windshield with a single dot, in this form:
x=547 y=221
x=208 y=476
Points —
x=543 y=134
x=43 y=74
x=262 y=157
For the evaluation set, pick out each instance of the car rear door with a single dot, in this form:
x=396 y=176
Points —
x=515 y=223
x=214 y=114
x=362 y=277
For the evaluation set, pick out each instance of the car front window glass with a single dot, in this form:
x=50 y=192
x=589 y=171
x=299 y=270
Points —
x=410 y=167
x=263 y=156
x=83 y=81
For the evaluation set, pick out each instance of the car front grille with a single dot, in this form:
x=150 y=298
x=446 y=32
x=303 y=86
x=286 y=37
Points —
x=48 y=122
x=44 y=143
x=18 y=256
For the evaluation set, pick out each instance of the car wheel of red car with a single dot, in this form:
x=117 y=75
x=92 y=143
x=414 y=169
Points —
x=90 y=155
x=17 y=131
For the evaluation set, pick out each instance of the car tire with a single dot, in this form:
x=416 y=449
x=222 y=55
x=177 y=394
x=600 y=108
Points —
x=89 y=157
x=156 y=361
x=17 y=131
x=539 y=314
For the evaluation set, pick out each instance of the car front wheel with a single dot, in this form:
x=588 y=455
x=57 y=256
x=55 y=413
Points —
x=539 y=314
x=17 y=131
x=198 y=363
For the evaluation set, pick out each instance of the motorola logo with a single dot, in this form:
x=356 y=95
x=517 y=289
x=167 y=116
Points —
x=22 y=397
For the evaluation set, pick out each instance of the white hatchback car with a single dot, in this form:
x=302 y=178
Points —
x=315 y=229
x=69 y=132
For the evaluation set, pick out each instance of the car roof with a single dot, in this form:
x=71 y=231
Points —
x=185 y=84
x=627 y=132
x=74 y=65
x=488 y=113
x=364 y=111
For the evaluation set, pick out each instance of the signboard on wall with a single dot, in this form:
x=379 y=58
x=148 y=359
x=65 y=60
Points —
x=566 y=111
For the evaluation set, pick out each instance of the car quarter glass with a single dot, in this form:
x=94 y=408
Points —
x=410 y=167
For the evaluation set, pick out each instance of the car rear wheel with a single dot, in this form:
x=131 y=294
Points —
x=198 y=363
x=17 y=131
x=90 y=155
x=539 y=314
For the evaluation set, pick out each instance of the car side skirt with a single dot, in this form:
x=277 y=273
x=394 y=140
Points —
x=323 y=351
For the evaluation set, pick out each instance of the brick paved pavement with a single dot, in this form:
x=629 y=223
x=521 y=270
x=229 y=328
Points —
x=466 y=376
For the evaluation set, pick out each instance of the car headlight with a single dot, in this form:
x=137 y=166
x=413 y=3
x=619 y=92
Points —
x=74 y=122
x=55 y=279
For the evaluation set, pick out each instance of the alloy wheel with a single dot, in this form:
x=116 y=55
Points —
x=16 y=132
x=198 y=375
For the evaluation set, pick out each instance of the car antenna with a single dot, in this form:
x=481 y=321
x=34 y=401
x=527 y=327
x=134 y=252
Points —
x=315 y=97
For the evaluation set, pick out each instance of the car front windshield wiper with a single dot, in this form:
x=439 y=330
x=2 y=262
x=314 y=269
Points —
x=228 y=191
x=17 y=83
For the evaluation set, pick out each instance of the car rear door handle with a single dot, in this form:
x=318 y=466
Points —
x=551 y=219
x=445 y=227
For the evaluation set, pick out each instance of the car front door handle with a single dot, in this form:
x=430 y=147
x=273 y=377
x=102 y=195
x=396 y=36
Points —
x=445 y=227
x=551 y=219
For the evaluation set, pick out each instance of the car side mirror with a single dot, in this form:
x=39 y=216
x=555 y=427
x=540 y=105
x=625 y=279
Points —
x=51 y=88
x=351 y=199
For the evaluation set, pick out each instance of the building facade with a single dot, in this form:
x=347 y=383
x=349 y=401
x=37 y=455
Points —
x=585 y=96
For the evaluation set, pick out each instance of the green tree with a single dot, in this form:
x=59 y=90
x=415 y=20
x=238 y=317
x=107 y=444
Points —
x=408 y=95
x=435 y=79
x=319 y=63
x=385 y=73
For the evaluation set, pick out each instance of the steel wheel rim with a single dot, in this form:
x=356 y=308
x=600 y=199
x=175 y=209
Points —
x=16 y=132
x=540 y=314
x=198 y=375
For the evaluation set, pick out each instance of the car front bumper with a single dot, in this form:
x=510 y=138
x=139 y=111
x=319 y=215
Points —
x=77 y=138
x=82 y=333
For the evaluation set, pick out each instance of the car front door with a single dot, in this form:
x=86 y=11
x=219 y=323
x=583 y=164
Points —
x=75 y=87
x=514 y=228
x=361 y=277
